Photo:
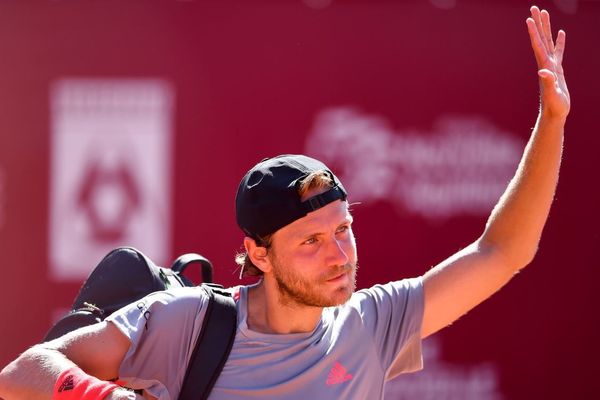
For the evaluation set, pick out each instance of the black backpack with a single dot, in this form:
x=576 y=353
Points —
x=126 y=275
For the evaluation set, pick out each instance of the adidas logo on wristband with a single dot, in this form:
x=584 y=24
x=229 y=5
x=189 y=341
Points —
x=67 y=384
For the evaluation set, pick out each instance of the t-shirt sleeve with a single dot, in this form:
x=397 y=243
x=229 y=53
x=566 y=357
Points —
x=393 y=315
x=162 y=328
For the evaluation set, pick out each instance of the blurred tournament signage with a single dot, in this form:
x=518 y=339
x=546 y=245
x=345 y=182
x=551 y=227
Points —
x=441 y=380
x=460 y=167
x=110 y=175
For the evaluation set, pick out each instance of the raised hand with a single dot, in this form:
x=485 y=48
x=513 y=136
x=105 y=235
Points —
x=555 y=100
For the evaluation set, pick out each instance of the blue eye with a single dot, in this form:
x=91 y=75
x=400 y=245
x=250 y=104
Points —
x=310 y=241
x=343 y=228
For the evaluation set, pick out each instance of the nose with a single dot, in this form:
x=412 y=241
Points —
x=336 y=252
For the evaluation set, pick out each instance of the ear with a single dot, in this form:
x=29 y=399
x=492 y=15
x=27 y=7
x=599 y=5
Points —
x=257 y=254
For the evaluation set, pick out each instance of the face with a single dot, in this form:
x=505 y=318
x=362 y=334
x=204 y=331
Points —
x=314 y=258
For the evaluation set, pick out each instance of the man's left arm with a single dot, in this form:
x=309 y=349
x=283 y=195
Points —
x=512 y=233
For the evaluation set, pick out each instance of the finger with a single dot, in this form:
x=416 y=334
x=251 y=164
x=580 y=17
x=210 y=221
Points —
x=545 y=17
x=560 y=46
x=536 y=42
x=536 y=15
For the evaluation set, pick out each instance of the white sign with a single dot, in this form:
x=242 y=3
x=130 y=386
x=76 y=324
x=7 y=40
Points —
x=440 y=380
x=110 y=178
x=461 y=166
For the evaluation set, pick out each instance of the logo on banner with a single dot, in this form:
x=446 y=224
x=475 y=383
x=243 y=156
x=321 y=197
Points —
x=460 y=167
x=109 y=198
x=110 y=171
x=444 y=380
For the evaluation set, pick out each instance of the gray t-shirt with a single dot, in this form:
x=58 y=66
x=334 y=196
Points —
x=350 y=354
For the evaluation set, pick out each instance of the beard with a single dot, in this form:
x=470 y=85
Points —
x=295 y=289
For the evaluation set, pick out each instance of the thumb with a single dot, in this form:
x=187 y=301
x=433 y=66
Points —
x=547 y=78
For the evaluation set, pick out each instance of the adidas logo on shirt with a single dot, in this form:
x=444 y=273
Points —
x=338 y=374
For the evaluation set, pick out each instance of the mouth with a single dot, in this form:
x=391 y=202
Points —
x=338 y=278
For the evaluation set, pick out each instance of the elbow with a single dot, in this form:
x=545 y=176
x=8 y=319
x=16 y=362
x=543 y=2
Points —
x=528 y=257
x=513 y=256
x=9 y=370
x=519 y=256
x=17 y=376
x=3 y=382
x=8 y=377
x=524 y=255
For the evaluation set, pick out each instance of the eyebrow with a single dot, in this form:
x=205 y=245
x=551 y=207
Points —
x=348 y=220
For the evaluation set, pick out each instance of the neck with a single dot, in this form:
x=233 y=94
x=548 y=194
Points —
x=268 y=313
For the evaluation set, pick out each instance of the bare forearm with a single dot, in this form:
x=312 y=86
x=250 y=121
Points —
x=516 y=223
x=97 y=350
x=510 y=239
x=32 y=375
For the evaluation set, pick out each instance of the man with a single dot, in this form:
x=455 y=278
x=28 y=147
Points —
x=302 y=331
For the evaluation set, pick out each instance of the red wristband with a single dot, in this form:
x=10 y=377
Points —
x=74 y=384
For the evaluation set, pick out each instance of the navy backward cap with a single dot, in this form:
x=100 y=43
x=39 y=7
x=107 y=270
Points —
x=267 y=198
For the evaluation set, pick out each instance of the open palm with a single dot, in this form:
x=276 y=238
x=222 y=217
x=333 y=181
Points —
x=553 y=87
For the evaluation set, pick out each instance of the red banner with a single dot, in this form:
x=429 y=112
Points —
x=132 y=123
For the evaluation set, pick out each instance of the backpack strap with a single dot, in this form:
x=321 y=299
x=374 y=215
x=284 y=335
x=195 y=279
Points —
x=181 y=263
x=212 y=347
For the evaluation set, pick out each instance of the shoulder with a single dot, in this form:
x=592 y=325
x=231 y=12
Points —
x=392 y=313
x=396 y=290
x=382 y=299
x=183 y=297
x=179 y=295
x=168 y=306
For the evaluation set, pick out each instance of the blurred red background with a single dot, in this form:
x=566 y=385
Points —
x=249 y=80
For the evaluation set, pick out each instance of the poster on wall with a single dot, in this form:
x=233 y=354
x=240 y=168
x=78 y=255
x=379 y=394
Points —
x=110 y=171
